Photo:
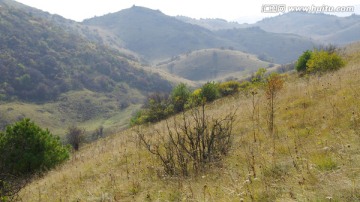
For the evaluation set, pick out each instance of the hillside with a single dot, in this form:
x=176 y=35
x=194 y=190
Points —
x=212 y=24
x=42 y=62
x=322 y=27
x=154 y=34
x=275 y=47
x=316 y=158
x=213 y=64
x=158 y=37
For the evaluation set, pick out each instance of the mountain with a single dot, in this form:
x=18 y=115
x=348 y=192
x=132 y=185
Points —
x=154 y=34
x=213 y=64
x=157 y=36
x=321 y=27
x=212 y=24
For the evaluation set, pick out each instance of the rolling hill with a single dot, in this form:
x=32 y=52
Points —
x=157 y=36
x=321 y=27
x=213 y=64
x=273 y=47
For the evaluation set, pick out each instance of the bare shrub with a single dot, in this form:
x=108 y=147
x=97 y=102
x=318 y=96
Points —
x=192 y=143
x=75 y=136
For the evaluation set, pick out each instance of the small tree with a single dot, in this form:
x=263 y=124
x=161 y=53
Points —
x=210 y=91
x=273 y=86
x=301 y=62
x=179 y=96
x=75 y=137
x=26 y=149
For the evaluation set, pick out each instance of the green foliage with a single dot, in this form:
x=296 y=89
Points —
x=157 y=108
x=39 y=60
x=323 y=61
x=25 y=148
x=259 y=76
x=179 y=96
x=300 y=65
x=229 y=88
x=210 y=91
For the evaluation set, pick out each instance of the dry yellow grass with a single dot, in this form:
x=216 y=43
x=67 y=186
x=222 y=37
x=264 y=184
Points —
x=317 y=154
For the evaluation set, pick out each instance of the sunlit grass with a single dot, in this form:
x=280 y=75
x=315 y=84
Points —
x=317 y=154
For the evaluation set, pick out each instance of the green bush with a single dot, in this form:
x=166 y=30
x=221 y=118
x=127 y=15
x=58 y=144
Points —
x=300 y=65
x=210 y=91
x=179 y=96
x=229 y=88
x=26 y=149
x=322 y=61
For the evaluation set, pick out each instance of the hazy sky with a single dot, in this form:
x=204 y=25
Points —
x=231 y=10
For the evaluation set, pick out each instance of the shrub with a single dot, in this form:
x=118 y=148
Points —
x=25 y=148
x=75 y=136
x=229 y=88
x=322 y=61
x=193 y=143
x=179 y=96
x=210 y=91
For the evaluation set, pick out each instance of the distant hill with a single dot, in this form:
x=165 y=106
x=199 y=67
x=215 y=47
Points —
x=154 y=34
x=321 y=27
x=213 y=64
x=273 y=47
x=212 y=24
x=158 y=36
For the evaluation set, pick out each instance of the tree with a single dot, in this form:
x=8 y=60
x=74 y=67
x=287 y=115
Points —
x=179 y=96
x=25 y=148
x=301 y=62
x=210 y=91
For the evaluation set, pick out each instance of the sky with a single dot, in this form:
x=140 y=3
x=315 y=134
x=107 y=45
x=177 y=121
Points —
x=231 y=10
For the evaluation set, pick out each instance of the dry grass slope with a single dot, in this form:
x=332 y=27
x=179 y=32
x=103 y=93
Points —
x=317 y=153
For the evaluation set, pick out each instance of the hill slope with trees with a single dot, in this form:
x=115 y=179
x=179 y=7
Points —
x=39 y=61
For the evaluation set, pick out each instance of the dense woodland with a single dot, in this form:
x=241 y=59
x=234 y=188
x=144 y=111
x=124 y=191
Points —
x=38 y=61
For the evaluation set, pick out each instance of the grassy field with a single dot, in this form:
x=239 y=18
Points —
x=316 y=156
x=85 y=109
